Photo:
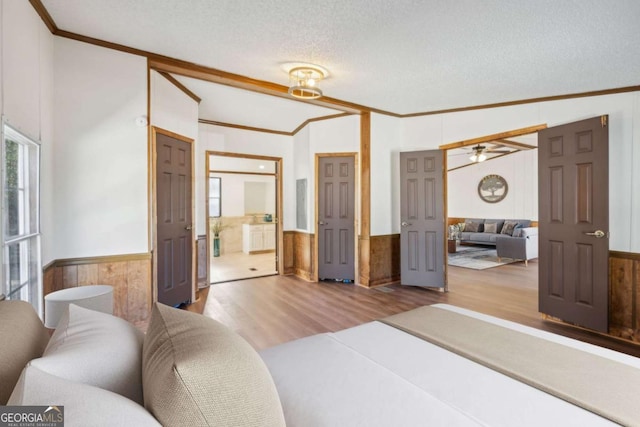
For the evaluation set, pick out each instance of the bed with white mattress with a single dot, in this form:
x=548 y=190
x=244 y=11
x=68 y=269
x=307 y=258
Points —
x=377 y=375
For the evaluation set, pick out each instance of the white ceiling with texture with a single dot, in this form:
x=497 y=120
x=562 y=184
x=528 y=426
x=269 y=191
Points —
x=402 y=56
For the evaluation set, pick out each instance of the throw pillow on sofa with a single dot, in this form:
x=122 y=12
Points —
x=23 y=338
x=84 y=405
x=98 y=349
x=508 y=227
x=196 y=371
x=490 y=227
x=472 y=227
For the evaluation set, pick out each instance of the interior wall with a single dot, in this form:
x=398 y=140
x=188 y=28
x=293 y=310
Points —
x=101 y=153
x=302 y=169
x=231 y=140
x=385 y=132
x=171 y=108
x=428 y=132
x=340 y=135
x=519 y=171
x=233 y=193
x=26 y=96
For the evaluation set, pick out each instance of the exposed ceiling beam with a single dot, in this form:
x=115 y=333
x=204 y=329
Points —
x=242 y=127
x=494 y=137
x=274 y=131
x=187 y=69
x=516 y=144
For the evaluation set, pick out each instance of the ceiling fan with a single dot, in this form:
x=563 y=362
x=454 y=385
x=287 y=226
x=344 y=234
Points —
x=479 y=152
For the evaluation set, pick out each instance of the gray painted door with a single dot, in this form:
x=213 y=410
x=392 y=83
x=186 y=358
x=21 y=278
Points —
x=336 y=232
x=174 y=229
x=573 y=171
x=422 y=237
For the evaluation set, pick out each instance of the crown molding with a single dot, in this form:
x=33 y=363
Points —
x=242 y=127
x=273 y=131
x=527 y=101
x=180 y=86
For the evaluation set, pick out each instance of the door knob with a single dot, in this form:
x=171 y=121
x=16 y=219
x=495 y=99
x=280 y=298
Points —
x=188 y=227
x=323 y=223
x=405 y=224
x=598 y=234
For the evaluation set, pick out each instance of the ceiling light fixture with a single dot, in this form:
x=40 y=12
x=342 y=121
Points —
x=478 y=155
x=304 y=79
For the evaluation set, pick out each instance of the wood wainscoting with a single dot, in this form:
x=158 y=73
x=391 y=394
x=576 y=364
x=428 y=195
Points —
x=288 y=265
x=385 y=259
x=298 y=254
x=130 y=276
x=624 y=295
x=383 y=251
x=201 y=261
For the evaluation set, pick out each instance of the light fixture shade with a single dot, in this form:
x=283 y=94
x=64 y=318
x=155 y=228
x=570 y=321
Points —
x=478 y=155
x=303 y=81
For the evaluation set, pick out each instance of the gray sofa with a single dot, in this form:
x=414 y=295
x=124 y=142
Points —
x=516 y=241
x=486 y=233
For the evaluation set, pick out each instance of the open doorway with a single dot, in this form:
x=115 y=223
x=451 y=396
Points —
x=243 y=205
x=493 y=181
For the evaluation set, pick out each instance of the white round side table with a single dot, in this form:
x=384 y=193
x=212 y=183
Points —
x=93 y=297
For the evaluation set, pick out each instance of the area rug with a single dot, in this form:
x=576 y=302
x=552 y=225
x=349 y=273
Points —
x=477 y=258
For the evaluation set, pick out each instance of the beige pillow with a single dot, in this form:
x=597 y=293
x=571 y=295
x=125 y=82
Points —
x=97 y=349
x=472 y=227
x=23 y=337
x=491 y=227
x=196 y=371
x=84 y=405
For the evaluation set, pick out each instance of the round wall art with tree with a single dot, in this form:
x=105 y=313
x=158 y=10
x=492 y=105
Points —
x=492 y=188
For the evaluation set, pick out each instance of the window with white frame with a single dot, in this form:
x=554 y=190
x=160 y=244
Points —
x=22 y=265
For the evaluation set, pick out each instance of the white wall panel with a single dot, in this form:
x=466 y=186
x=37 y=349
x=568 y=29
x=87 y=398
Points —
x=303 y=169
x=634 y=178
x=341 y=135
x=171 y=108
x=385 y=143
x=101 y=153
x=474 y=123
x=26 y=95
x=47 y=177
x=521 y=202
x=233 y=186
x=21 y=66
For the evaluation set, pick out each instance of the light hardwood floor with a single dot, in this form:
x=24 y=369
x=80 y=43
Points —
x=271 y=310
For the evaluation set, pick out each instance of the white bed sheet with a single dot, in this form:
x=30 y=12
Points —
x=376 y=375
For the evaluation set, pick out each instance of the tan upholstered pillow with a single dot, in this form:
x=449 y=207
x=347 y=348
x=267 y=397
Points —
x=196 y=372
x=490 y=227
x=84 y=405
x=23 y=337
x=472 y=227
x=97 y=349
